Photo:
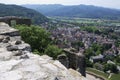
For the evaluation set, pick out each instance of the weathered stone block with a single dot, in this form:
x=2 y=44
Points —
x=12 y=48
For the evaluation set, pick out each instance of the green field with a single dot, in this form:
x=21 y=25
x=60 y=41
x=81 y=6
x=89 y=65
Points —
x=115 y=77
x=98 y=73
x=103 y=75
x=87 y=21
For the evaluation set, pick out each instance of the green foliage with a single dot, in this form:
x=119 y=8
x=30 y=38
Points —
x=114 y=36
x=53 y=51
x=77 y=44
x=117 y=59
x=39 y=40
x=97 y=48
x=98 y=52
x=98 y=66
x=99 y=73
x=117 y=43
x=94 y=50
x=88 y=63
x=90 y=29
x=115 y=77
x=107 y=46
x=89 y=52
x=14 y=10
x=37 y=37
x=107 y=31
x=112 y=58
x=37 y=52
x=111 y=67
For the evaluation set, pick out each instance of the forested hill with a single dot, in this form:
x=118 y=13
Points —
x=83 y=11
x=14 y=10
x=44 y=9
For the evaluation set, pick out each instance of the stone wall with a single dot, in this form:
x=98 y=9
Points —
x=74 y=60
x=18 y=20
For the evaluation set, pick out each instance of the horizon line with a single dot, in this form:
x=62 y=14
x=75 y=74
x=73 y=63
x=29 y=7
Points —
x=61 y=4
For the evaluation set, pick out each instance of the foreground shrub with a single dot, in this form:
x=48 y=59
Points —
x=37 y=37
x=39 y=40
x=53 y=51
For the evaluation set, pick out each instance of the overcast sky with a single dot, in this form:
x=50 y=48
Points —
x=103 y=3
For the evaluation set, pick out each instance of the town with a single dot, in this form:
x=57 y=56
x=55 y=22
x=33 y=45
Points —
x=100 y=44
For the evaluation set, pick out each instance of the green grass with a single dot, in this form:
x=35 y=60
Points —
x=98 y=73
x=86 y=20
x=115 y=77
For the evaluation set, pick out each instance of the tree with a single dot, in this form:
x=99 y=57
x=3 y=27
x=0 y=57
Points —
x=37 y=37
x=117 y=59
x=98 y=49
x=91 y=29
x=53 y=51
x=89 y=52
x=117 y=43
x=88 y=63
x=111 y=67
x=98 y=66
x=77 y=44
x=98 y=52
x=107 y=46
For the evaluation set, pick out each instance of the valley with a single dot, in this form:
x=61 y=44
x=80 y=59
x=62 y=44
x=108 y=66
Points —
x=73 y=42
x=97 y=39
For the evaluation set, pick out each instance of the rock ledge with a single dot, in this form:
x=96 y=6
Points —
x=18 y=63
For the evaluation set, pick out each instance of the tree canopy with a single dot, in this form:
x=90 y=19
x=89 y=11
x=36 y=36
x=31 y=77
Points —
x=39 y=39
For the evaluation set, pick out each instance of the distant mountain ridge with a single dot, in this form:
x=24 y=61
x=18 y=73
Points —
x=14 y=10
x=44 y=9
x=82 y=11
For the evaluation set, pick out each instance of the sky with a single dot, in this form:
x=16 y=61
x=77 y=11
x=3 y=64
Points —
x=102 y=3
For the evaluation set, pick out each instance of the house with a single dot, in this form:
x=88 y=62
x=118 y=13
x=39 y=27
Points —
x=98 y=58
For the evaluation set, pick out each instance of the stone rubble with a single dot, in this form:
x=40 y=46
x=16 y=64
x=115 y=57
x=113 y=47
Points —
x=17 y=62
